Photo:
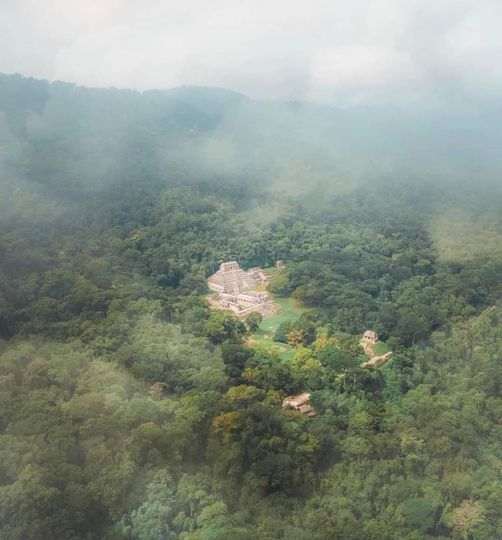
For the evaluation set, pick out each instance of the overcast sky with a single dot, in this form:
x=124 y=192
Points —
x=332 y=51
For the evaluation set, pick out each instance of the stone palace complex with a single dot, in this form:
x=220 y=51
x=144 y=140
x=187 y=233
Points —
x=232 y=286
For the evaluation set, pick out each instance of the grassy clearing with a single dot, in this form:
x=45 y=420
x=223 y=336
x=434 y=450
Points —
x=290 y=311
x=380 y=348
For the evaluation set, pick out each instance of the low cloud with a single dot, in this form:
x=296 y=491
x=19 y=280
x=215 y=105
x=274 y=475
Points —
x=338 y=52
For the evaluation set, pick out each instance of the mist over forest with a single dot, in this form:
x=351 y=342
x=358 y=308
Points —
x=75 y=138
x=130 y=410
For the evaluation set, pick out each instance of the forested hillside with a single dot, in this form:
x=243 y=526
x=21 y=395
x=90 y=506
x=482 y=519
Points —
x=130 y=410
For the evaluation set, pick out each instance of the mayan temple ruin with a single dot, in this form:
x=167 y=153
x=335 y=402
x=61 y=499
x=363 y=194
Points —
x=232 y=286
x=371 y=338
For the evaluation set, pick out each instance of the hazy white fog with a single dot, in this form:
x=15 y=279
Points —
x=331 y=51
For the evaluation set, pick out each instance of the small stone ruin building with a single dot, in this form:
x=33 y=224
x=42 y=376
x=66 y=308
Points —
x=368 y=340
x=299 y=403
x=370 y=336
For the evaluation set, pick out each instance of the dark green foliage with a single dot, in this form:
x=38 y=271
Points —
x=235 y=356
x=419 y=514
x=281 y=334
x=253 y=321
x=222 y=326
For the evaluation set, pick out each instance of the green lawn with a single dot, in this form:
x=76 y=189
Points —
x=290 y=311
x=380 y=348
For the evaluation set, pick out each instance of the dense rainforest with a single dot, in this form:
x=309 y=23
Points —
x=131 y=411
